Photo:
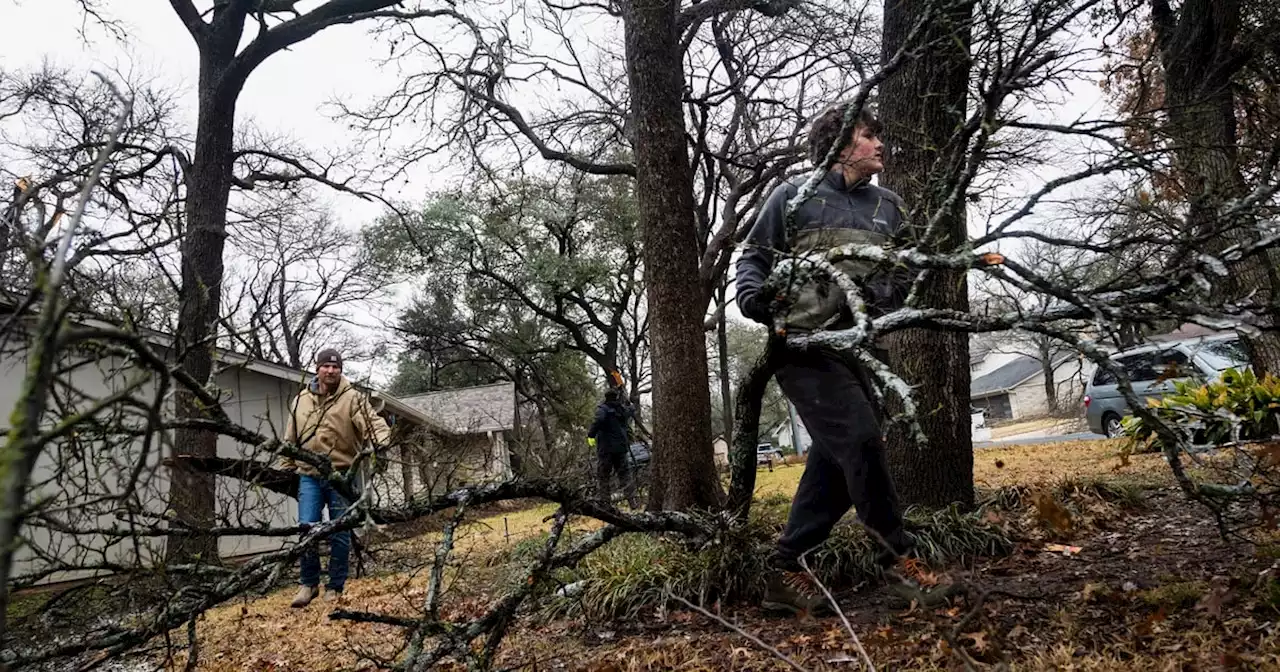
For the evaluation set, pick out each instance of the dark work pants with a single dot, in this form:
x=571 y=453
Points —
x=846 y=463
x=608 y=464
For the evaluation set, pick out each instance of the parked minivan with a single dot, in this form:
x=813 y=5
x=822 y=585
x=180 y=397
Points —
x=1202 y=358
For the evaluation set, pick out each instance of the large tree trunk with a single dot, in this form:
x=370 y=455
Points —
x=684 y=470
x=1199 y=52
x=192 y=492
x=921 y=108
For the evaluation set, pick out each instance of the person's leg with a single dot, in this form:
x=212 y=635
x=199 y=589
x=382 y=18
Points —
x=310 y=510
x=604 y=467
x=820 y=501
x=622 y=466
x=828 y=396
x=339 y=543
x=822 y=497
x=850 y=416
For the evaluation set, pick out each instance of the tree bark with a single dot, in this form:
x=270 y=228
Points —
x=722 y=351
x=921 y=108
x=750 y=403
x=684 y=469
x=1050 y=384
x=223 y=70
x=1200 y=53
x=192 y=492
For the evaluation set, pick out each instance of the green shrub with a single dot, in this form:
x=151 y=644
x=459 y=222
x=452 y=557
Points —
x=1126 y=492
x=1005 y=497
x=637 y=572
x=1123 y=490
x=1236 y=407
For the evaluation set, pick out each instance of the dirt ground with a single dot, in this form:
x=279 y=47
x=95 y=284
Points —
x=1133 y=577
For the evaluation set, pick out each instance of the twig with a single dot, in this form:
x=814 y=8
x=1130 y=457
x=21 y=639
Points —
x=804 y=564
x=755 y=640
x=193 y=646
x=431 y=606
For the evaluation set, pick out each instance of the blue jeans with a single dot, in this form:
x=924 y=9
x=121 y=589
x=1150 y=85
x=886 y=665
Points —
x=314 y=494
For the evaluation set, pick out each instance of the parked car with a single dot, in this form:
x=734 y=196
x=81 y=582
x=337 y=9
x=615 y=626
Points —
x=1152 y=370
x=767 y=454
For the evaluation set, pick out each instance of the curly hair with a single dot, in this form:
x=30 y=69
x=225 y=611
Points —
x=823 y=131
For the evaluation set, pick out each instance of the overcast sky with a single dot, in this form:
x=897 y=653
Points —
x=287 y=95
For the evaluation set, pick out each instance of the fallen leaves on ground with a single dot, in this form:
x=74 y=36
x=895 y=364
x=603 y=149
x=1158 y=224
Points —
x=1127 y=603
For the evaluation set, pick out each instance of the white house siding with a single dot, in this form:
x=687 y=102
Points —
x=255 y=400
x=720 y=451
x=449 y=462
x=258 y=402
x=1028 y=399
x=783 y=435
x=82 y=477
x=474 y=440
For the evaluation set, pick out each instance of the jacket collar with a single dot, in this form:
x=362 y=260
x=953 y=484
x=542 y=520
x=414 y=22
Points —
x=835 y=180
x=314 y=386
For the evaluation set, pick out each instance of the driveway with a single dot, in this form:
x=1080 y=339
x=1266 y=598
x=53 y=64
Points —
x=1031 y=440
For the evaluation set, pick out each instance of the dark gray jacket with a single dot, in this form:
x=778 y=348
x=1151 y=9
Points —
x=837 y=214
x=609 y=428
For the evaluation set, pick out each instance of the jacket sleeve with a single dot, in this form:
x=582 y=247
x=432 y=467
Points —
x=756 y=261
x=370 y=425
x=601 y=416
x=892 y=289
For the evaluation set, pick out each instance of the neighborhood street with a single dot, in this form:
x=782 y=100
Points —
x=1030 y=440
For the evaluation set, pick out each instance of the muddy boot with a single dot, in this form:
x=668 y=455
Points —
x=304 y=596
x=779 y=596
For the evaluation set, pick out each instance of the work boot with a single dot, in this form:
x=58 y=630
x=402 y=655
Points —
x=331 y=595
x=782 y=597
x=304 y=596
x=903 y=543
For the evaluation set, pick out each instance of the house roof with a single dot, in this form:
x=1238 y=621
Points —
x=1005 y=378
x=470 y=410
x=234 y=360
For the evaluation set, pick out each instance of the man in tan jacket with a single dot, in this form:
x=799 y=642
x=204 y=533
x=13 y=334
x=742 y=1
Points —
x=333 y=419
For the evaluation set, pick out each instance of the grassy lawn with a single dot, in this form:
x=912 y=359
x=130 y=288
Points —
x=1039 y=465
x=1035 y=465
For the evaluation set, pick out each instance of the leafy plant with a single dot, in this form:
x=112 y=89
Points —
x=1237 y=407
x=638 y=572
